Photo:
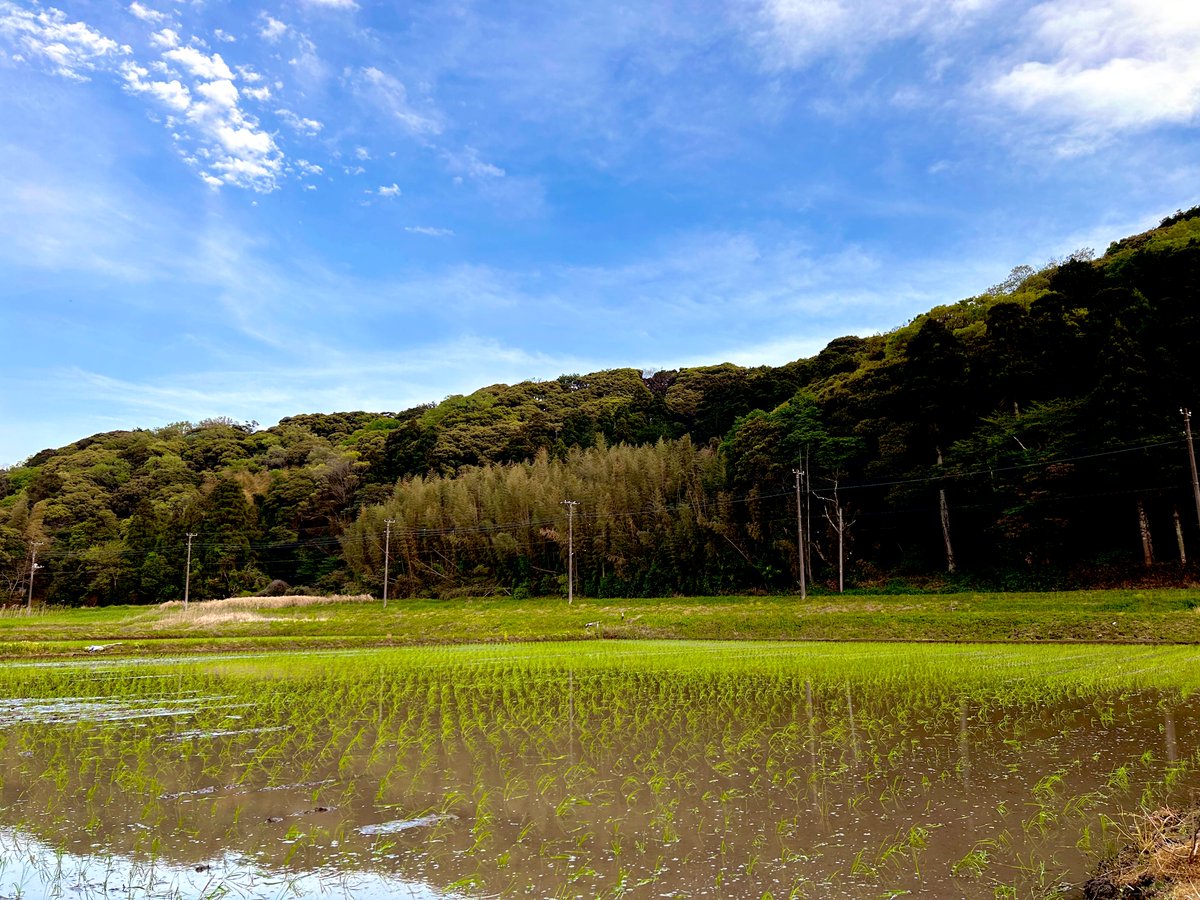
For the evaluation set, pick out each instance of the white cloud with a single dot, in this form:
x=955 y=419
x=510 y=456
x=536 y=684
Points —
x=244 y=143
x=146 y=14
x=214 y=136
x=308 y=168
x=201 y=66
x=390 y=94
x=166 y=38
x=309 y=127
x=271 y=29
x=224 y=36
x=467 y=162
x=218 y=95
x=391 y=190
x=307 y=62
x=795 y=33
x=252 y=162
x=71 y=48
x=261 y=94
x=333 y=4
x=1101 y=67
x=171 y=94
x=429 y=231
x=362 y=153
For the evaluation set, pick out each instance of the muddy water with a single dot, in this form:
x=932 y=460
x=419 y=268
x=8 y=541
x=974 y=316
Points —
x=559 y=772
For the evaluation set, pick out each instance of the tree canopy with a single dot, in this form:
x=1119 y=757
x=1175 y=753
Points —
x=1032 y=433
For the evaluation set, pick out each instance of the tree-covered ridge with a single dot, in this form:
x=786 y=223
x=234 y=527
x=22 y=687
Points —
x=1030 y=434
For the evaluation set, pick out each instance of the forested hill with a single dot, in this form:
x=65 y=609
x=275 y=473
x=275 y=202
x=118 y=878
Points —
x=1029 y=436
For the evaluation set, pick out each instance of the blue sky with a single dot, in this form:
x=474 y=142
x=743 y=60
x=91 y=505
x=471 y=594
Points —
x=260 y=209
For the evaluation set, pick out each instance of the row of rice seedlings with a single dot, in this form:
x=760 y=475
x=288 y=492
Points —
x=732 y=738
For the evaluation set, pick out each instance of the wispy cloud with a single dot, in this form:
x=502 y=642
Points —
x=797 y=33
x=466 y=162
x=271 y=29
x=301 y=124
x=375 y=381
x=388 y=93
x=1095 y=69
x=429 y=231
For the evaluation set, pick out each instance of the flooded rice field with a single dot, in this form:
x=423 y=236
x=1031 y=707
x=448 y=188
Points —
x=602 y=769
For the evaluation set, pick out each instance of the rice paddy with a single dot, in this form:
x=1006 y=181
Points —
x=599 y=769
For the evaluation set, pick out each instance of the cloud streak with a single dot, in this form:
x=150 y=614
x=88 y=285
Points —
x=1095 y=69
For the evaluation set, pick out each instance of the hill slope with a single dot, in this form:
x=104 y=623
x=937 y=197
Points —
x=1030 y=435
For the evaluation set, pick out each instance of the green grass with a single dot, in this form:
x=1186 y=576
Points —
x=1114 y=616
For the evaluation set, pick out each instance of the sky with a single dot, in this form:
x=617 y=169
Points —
x=256 y=210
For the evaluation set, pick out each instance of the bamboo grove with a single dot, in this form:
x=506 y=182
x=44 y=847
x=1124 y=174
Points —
x=1031 y=436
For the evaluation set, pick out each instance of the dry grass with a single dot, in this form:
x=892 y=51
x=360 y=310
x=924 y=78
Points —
x=1163 y=859
x=241 y=610
x=216 y=617
x=284 y=602
x=19 y=611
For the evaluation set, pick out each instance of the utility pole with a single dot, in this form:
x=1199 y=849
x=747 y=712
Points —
x=33 y=567
x=187 y=571
x=570 y=505
x=387 y=551
x=1187 y=427
x=799 y=473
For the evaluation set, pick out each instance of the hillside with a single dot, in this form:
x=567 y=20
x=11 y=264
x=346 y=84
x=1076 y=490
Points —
x=1028 y=436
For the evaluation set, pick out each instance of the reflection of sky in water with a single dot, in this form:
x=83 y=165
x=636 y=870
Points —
x=839 y=771
x=31 y=870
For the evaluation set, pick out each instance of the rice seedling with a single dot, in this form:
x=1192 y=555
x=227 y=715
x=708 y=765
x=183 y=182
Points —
x=586 y=770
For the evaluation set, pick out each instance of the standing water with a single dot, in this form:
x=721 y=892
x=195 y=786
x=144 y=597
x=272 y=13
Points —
x=590 y=770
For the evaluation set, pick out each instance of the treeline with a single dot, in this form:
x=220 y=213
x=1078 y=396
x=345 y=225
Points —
x=1029 y=436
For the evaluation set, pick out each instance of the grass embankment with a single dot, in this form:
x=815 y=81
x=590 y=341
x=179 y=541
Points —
x=260 y=623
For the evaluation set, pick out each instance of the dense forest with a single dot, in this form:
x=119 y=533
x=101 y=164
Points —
x=1031 y=436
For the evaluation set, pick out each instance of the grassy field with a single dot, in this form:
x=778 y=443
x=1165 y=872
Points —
x=1115 y=616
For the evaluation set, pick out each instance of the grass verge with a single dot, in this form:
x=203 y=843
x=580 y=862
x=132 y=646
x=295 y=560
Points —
x=259 y=623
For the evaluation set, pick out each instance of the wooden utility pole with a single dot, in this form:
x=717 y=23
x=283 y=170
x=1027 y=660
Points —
x=570 y=505
x=1187 y=428
x=187 y=571
x=387 y=551
x=799 y=473
x=33 y=567
x=944 y=511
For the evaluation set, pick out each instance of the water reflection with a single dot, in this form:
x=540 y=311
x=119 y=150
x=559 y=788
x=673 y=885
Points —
x=33 y=870
x=725 y=773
